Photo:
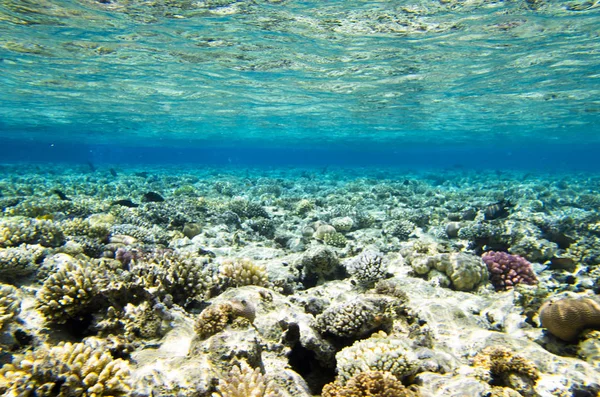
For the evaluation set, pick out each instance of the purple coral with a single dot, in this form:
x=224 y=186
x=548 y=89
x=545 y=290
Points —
x=507 y=270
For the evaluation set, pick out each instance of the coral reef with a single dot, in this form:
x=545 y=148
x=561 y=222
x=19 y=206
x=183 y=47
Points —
x=567 y=317
x=66 y=370
x=508 y=270
x=368 y=384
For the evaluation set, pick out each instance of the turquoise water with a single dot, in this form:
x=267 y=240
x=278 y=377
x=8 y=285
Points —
x=387 y=76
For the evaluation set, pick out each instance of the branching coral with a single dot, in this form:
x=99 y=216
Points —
x=243 y=381
x=10 y=305
x=19 y=261
x=367 y=268
x=216 y=317
x=70 y=290
x=240 y=272
x=504 y=368
x=368 y=384
x=18 y=230
x=378 y=353
x=65 y=370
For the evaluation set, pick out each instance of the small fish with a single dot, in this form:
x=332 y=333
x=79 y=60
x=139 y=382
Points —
x=152 y=197
x=113 y=172
x=497 y=210
x=406 y=182
x=142 y=174
x=125 y=203
x=92 y=166
x=61 y=195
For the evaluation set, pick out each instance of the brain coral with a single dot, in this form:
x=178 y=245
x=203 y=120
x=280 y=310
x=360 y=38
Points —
x=67 y=369
x=368 y=384
x=507 y=270
x=378 y=353
x=567 y=317
x=243 y=381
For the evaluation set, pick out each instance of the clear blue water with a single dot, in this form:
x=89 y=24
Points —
x=451 y=83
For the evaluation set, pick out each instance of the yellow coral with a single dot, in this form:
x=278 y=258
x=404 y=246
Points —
x=10 y=305
x=73 y=370
x=239 y=272
x=368 y=384
x=216 y=317
x=507 y=369
x=243 y=381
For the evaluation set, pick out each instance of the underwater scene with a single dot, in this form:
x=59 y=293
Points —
x=282 y=198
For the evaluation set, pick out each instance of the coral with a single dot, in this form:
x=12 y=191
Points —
x=216 y=317
x=304 y=206
x=504 y=368
x=335 y=239
x=70 y=290
x=401 y=229
x=187 y=277
x=465 y=272
x=367 y=268
x=318 y=263
x=240 y=272
x=67 y=369
x=508 y=270
x=378 y=353
x=243 y=381
x=342 y=224
x=18 y=230
x=10 y=304
x=356 y=318
x=324 y=230
x=20 y=261
x=368 y=384
x=83 y=227
x=145 y=321
x=567 y=317
x=246 y=209
x=263 y=226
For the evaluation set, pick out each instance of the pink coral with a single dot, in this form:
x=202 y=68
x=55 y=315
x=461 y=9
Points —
x=508 y=270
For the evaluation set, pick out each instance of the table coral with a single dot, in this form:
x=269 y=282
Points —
x=507 y=270
x=73 y=370
x=368 y=384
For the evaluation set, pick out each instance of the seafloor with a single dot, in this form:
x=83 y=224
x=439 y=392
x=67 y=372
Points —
x=141 y=281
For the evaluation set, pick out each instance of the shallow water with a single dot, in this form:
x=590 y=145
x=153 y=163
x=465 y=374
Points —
x=468 y=74
x=193 y=188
